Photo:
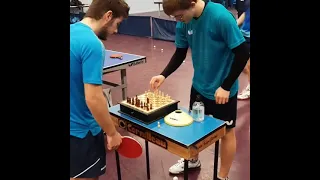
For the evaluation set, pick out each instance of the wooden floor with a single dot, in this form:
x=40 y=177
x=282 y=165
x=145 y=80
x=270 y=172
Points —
x=178 y=87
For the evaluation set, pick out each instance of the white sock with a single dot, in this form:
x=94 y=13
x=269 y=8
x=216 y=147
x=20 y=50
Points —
x=223 y=178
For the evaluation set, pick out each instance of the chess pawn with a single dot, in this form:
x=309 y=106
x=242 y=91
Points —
x=131 y=101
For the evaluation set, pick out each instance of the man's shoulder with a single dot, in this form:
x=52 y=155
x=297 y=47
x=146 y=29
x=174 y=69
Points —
x=79 y=31
x=84 y=38
x=217 y=11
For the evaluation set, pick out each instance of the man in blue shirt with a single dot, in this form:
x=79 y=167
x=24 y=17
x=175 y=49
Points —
x=219 y=55
x=89 y=115
x=244 y=22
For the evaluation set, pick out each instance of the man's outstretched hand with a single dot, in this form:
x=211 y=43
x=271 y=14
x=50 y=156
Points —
x=156 y=82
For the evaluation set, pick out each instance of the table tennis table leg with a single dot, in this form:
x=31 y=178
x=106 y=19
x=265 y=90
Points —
x=124 y=82
x=216 y=158
x=159 y=10
x=147 y=159
x=118 y=165
x=186 y=169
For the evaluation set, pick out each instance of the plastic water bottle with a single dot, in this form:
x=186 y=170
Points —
x=198 y=110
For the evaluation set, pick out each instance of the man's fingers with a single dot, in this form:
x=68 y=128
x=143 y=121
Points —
x=223 y=101
x=218 y=100
x=115 y=147
x=226 y=100
x=151 y=83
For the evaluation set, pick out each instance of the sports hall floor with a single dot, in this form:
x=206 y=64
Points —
x=178 y=87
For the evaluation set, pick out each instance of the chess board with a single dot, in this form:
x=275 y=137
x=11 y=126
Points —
x=149 y=106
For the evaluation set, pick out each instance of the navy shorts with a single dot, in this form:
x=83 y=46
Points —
x=226 y=112
x=87 y=156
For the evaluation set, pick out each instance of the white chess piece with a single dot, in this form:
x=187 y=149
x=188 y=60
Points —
x=175 y=178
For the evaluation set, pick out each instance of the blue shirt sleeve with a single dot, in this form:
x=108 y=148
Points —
x=181 y=38
x=93 y=57
x=229 y=30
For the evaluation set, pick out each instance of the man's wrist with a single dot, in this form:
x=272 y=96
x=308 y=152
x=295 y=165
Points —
x=111 y=133
x=162 y=74
x=225 y=87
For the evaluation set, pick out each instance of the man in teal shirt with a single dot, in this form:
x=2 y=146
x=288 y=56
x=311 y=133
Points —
x=219 y=55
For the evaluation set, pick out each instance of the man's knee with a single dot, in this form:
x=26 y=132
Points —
x=246 y=70
x=230 y=134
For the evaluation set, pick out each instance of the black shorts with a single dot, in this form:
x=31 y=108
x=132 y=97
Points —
x=87 y=156
x=226 y=112
x=247 y=41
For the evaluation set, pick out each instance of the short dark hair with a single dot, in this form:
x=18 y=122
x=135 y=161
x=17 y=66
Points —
x=98 y=8
x=170 y=6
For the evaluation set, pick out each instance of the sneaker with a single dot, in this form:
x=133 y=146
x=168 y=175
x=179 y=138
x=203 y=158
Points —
x=179 y=166
x=224 y=178
x=245 y=94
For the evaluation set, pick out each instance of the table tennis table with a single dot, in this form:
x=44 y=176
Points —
x=185 y=141
x=114 y=64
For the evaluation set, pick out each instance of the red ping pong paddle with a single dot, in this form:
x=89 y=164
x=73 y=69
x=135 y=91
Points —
x=130 y=147
x=118 y=56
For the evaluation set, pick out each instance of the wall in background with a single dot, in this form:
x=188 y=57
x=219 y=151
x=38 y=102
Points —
x=136 y=6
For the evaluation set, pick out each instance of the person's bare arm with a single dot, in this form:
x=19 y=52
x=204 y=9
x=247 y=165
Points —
x=98 y=106
x=240 y=20
x=93 y=55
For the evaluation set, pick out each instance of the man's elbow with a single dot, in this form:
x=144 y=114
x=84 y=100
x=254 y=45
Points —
x=92 y=94
x=91 y=101
x=181 y=53
x=242 y=51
